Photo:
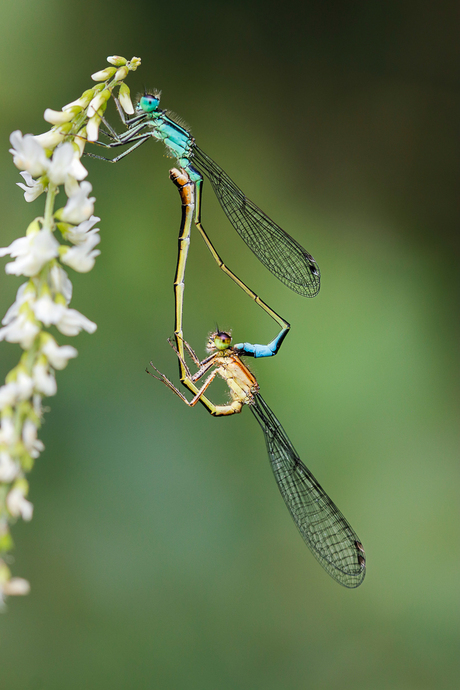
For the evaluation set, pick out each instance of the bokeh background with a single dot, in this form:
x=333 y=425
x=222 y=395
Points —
x=161 y=554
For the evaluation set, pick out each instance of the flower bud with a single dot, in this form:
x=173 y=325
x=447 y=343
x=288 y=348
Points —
x=33 y=228
x=122 y=73
x=80 y=141
x=117 y=60
x=125 y=99
x=134 y=63
x=103 y=74
x=58 y=117
x=83 y=101
x=98 y=102
x=92 y=128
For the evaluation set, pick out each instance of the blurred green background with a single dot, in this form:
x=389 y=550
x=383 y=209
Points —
x=161 y=554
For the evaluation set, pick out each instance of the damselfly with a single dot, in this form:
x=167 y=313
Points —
x=323 y=527
x=277 y=250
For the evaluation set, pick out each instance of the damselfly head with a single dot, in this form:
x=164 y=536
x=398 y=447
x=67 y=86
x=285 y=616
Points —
x=219 y=340
x=148 y=102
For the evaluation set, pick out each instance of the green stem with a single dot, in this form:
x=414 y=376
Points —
x=49 y=206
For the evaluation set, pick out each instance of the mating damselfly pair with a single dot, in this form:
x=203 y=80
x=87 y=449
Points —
x=322 y=526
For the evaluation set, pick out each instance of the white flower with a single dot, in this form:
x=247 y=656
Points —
x=50 y=139
x=58 y=356
x=9 y=469
x=78 y=170
x=68 y=321
x=82 y=257
x=79 y=207
x=32 y=188
x=77 y=235
x=57 y=117
x=28 y=154
x=46 y=310
x=14 y=391
x=32 y=251
x=7 y=431
x=65 y=162
x=60 y=283
x=24 y=385
x=20 y=330
x=92 y=128
x=16 y=586
x=8 y=394
x=18 y=505
x=44 y=381
x=23 y=295
x=71 y=186
x=72 y=322
x=29 y=435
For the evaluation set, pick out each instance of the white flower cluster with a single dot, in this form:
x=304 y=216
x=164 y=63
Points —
x=47 y=162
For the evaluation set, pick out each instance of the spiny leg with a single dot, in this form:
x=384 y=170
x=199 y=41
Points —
x=130 y=135
x=132 y=124
x=191 y=352
x=216 y=410
x=135 y=146
x=134 y=136
x=111 y=133
x=182 y=361
x=164 y=379
x=131 y=121
x=204 y=365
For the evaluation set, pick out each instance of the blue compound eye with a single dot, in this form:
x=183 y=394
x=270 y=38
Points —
x=149 y=103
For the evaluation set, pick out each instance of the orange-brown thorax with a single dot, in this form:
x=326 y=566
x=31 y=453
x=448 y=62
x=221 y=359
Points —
x=239 y=379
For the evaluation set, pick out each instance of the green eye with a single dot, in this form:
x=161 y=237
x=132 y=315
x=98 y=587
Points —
x=222 y=340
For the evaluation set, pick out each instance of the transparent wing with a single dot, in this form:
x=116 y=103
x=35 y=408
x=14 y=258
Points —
x=321 y=524
x=277 y=250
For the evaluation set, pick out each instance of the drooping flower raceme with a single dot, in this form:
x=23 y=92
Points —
x=64 y=236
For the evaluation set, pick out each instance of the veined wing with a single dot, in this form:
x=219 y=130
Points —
x=277 y=250
x=321 y=524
